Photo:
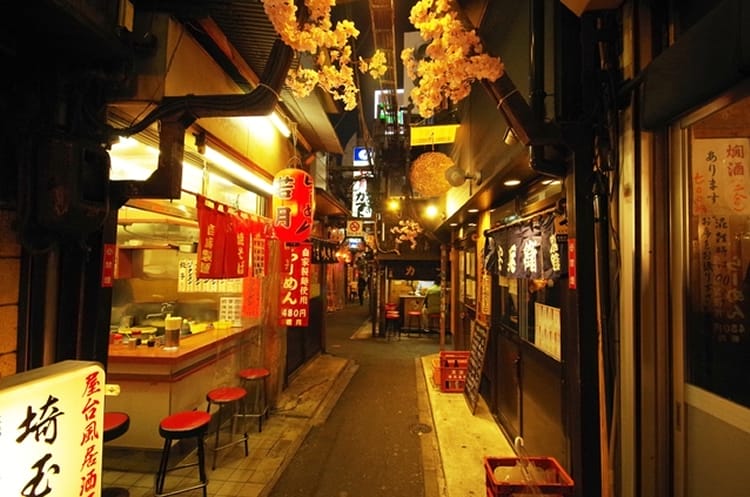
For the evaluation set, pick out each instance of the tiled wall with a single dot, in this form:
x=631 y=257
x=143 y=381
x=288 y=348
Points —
x=10 y=264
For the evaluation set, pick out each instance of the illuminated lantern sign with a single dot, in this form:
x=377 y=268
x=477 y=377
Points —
x=51 y=428
x=293 y=205
x=295 y=286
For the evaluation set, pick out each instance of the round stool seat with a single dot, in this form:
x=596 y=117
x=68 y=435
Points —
x=225 y=395
x=115 y=425
x=185 y=424
x=253 y=373
x=414 y=313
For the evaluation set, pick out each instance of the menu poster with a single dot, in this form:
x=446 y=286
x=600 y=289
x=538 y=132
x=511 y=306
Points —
x=479 y=336
x=295 y=285
x=720 y=205
x=719 y=177
x=51 y=429
x=251 y=301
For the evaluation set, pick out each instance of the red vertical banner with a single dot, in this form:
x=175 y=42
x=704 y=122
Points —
x=572 y=263
x=251 y=301
x=295 y=286
x=212 y=228
x=236 y=245
x=108 y=264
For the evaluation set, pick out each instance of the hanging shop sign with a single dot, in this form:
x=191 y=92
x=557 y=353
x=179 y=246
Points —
x=324 y=251
x=412 y=270
x=528 y=249
x=52 y=423
x=295 y=285
x=293 y=204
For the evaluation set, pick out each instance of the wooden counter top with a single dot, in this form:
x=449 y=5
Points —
x=153 y=363
x=189 y=344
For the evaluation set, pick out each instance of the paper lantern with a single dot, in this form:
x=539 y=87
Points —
x=293 y=205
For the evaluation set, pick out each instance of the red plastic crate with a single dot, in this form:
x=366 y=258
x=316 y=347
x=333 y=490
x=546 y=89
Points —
x=452 y=370
x=548 y=477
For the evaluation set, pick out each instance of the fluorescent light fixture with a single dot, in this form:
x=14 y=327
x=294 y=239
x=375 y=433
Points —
x=512 y=182
x=473 y=210
x=279 y=123
x=237 y=171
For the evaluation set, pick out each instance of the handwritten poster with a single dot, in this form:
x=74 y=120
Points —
x=720 y=206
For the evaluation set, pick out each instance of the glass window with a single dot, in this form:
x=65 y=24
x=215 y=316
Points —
x=718 y=341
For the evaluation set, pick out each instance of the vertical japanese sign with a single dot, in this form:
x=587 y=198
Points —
x=51 y=428
x=720 y=207
x=109 y=256
x=295 y=286
x=293 y=204
x=212 y=228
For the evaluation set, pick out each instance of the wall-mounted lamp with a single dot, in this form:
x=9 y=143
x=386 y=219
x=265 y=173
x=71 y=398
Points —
x=510 y=138
x=457 y=176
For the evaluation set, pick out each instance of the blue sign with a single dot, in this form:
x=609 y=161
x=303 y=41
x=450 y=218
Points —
x=361 y=156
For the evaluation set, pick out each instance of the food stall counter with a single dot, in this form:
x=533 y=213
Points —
x=154 y=382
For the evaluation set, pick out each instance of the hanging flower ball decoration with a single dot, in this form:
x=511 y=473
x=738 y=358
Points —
x=293 y=204
x=454 y=57
x=330 y=47
x=427 y=174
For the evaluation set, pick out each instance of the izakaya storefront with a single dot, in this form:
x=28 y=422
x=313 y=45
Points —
x=524 y=275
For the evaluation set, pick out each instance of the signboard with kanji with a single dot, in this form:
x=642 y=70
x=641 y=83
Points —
x=295 y=286
x=51 y=429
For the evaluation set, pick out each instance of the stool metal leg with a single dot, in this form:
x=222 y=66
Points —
x=202 y=466
x=162 y=473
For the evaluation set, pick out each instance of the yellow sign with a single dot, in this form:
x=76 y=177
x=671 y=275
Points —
x=433 y=135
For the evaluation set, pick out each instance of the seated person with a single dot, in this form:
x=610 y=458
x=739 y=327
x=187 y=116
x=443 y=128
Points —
x=431 y=302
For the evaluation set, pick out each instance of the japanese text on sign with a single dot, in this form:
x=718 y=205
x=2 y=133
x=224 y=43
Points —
x=295 y=287
x=51 y=421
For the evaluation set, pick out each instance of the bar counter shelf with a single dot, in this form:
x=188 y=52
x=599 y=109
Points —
x=155 y=382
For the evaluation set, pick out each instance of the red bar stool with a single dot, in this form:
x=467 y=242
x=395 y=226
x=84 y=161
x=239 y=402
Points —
x=392 y=318
x=255 y=379
x=229 y=398
x=179 y=426
x=413 y=317
x=115 y=425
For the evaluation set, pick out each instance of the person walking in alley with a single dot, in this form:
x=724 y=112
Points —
x=361 y=287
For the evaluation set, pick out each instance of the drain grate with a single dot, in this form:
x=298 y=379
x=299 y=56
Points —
x=420 y=428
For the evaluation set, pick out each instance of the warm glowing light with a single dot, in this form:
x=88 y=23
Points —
x=473 y=210
x=431 y=211
x=238 y=171
x=512 y=182
x=393 y=204
x=280 y=124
